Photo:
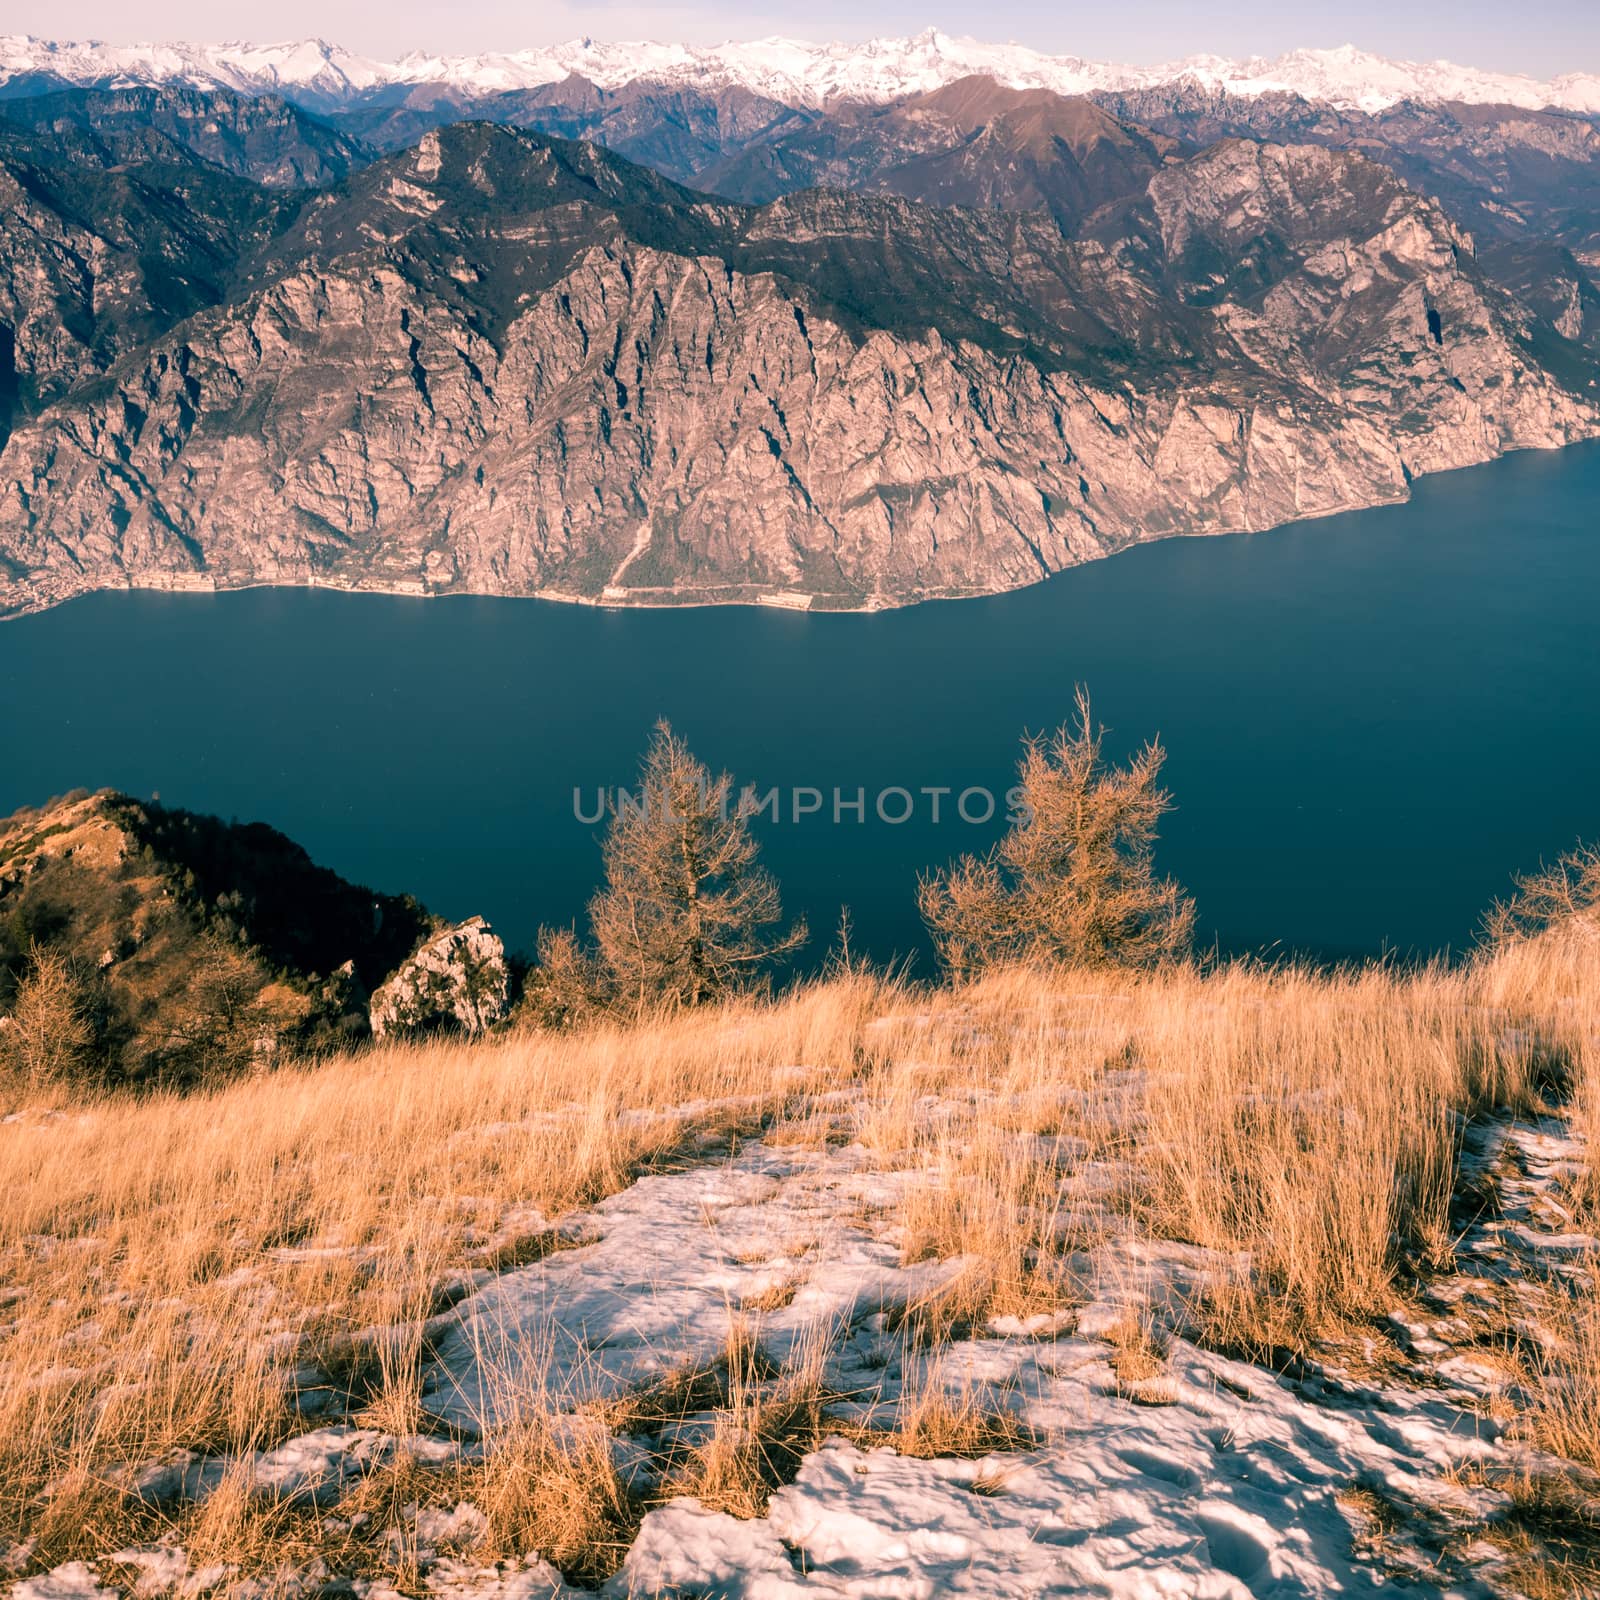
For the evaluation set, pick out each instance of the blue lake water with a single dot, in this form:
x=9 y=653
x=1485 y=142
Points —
x=1372 y=719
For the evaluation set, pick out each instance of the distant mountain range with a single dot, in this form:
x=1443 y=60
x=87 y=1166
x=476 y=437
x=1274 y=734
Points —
x=793 y=71
x=673 y=340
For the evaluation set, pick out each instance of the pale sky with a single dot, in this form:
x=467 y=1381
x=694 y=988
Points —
x=1543 y=37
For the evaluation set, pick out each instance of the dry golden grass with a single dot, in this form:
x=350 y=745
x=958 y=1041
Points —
x=174 y=1261
x=937 y=1415
x=765 y=1423
x=1566 y=1414
x=1305 y=1124
x=550 y=1484
x=1138 y=1350
x=165 y=1248
x=236 y=1527
x=774 y=1297
x=1550 y=1536
x=991 y=1197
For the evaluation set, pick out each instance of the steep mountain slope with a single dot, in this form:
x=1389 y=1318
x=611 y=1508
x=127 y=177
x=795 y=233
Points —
x=1526 y=183
x=129 y=210
x=974 y=143
x=263 y=138
x=507 y=363
x=95 y=260
x=1499 y=170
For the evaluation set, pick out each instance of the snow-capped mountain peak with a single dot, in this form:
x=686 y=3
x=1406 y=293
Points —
x=794 y=71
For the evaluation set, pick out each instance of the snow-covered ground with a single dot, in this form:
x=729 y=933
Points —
x=795 y=71
x=1208 y=1478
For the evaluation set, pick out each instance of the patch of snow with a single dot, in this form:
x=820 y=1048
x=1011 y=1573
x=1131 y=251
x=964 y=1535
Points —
x=74 y=1580
x=1137 y=1503
x=315 y=1463
x=674 y=1256
x=532 y=1579
x=161 y=1567
x=1217 y=1479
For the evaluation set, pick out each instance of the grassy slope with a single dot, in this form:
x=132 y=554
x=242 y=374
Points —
x=1312 y=1120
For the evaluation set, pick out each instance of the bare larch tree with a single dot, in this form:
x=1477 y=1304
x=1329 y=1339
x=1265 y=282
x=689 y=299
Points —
x=1073 y=880
x=687 y=915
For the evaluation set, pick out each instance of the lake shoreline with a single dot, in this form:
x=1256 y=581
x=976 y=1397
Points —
x=764 y=596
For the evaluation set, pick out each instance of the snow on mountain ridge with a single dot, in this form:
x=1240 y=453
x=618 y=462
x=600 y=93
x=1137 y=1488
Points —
x=301 y=65
x=793 y=71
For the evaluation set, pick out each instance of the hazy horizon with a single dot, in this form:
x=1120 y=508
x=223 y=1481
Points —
x=1549 y=38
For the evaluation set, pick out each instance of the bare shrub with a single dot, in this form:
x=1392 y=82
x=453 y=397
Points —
x=567 y=985
x=222 y=1021
x=49 y=1037
x=1564 y=893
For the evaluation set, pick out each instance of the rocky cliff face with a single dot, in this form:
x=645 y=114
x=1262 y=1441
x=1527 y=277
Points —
x=1498 y=170
x=505 y=364
x=93 y=266
x=126 y=212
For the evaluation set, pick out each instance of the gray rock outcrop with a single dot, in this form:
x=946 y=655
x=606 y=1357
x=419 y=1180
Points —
x=457 y=978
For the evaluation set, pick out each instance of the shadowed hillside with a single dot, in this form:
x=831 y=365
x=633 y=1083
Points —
x=193 y=945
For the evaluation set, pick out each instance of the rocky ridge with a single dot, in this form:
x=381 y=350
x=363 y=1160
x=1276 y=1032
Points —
x=680 y=131
x=265 y=139
x=1509 y=174
x=973 y=143
x=97 y=257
